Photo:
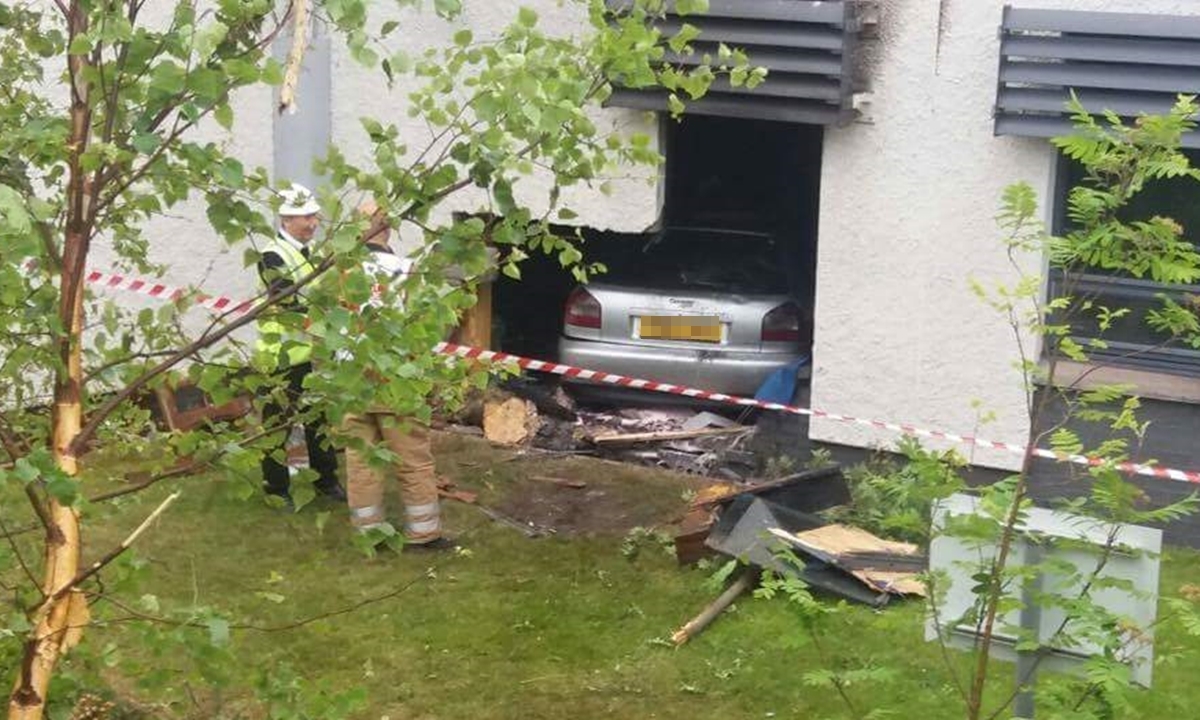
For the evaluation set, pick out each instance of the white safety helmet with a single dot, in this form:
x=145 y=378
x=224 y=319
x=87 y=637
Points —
x=298 y=201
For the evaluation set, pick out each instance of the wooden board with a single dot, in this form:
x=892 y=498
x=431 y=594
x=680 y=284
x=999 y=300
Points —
x=830 y=542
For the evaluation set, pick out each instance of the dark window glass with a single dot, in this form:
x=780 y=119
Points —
x=1133 y=342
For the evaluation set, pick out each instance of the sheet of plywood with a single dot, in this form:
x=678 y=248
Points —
x=831 y=542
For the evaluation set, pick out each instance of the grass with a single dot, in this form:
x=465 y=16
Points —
x=518 y=628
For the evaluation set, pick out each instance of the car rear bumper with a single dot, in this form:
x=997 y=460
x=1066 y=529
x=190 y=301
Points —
x=735 y=373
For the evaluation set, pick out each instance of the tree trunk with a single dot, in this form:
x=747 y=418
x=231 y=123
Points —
x=44 y=646
x=54 y=619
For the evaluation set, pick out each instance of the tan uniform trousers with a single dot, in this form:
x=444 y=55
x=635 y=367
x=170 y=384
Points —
x=414 y=467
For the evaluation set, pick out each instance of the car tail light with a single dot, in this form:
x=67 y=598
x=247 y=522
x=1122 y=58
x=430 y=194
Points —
x=783 y=324
x=583 y=309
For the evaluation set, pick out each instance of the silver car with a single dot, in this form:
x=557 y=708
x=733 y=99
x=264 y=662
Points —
x=712 y=309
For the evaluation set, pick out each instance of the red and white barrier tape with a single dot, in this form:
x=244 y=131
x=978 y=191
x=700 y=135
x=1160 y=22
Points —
x=224 y=304
x=651 y=386
x=166 y=292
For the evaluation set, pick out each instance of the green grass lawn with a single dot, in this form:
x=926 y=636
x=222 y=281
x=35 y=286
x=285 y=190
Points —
x=554 y=627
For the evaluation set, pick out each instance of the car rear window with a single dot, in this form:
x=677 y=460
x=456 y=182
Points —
x=725 y=262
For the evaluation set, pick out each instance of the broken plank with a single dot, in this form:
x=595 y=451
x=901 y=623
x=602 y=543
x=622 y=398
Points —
x=666 y=436
x=696 y=626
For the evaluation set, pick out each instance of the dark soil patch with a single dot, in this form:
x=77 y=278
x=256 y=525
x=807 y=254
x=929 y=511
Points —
x=583 y=511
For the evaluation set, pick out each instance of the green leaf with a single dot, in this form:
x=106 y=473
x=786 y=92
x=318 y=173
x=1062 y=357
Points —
x=25 y=471
x=63 y=488
x=168 y=78
x=447 y=8
x=527 y=17
x=463 y=37
x=687 y=33
x=223 y=114
x=388 y=28
x=145 y=143
x=272 y=72
x=675 y=105
x=81 y=45
x=231 y=173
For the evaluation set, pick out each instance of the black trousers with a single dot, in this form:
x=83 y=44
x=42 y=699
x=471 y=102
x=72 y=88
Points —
x=321 y=455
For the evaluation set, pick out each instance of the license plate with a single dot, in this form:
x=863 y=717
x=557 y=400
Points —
x=694 y=329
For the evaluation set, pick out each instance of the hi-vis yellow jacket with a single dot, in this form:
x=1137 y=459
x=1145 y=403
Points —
x=286 y=267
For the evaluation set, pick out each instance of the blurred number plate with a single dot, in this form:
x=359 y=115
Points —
x=696 y=329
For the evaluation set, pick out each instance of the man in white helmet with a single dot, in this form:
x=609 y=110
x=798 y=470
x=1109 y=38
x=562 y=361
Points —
x=284 y=261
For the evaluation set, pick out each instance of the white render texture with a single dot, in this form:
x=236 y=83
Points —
x=632 y=206
x=908 y=201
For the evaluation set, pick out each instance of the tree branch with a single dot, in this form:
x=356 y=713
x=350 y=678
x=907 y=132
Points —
x=206 y=340
x=295 y=59
x=92 y=374
x=182 y=470
x=17 y=447
x=16 y=550
x=115 y=553
x=373 y=600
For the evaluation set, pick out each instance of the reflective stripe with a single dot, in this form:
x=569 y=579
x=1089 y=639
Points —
x=426 y=509
x=421 y=527
x=366 y=512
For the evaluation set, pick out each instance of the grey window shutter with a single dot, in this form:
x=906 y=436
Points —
x=806 y=46
x=1129 y=63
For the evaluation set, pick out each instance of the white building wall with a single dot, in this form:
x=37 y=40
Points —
x=908 y=201
x=634 y=202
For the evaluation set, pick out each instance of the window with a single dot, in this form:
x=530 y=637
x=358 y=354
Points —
x=1132 y=343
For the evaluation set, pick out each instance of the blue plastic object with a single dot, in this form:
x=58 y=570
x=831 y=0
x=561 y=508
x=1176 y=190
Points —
x=780 y=386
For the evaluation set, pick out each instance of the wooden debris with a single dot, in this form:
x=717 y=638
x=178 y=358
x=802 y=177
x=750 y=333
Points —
x=693 y=531
x=463 y=496
x=823 y=488
x=667 y=436
x=744 y=582
x=447 y=489
x=863 y=555
x=715 y=493
x=509 y=421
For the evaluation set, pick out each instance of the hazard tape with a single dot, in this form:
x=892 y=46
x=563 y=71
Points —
x=167 y=292
x=230 y=305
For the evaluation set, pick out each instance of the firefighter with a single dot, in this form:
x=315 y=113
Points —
x=283 y=262
x=406 y=438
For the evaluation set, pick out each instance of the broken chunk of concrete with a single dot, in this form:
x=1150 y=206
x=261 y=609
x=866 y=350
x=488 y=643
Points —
x=707 y=420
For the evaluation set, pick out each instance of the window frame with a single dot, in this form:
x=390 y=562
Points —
x=1170 y=360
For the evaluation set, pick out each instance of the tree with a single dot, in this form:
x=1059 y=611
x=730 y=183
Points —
x=102 y=129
